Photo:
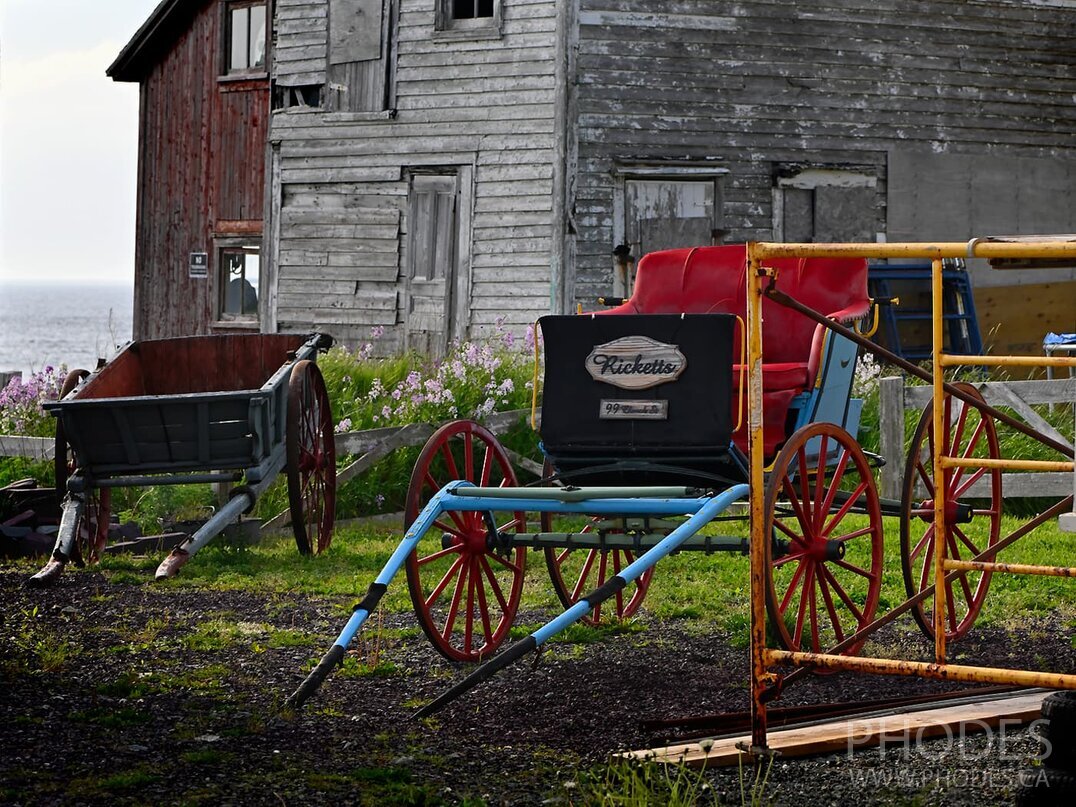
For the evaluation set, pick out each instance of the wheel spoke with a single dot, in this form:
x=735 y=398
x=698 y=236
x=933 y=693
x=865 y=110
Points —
x=925 y=478
x=442 y=553
x=845 y=508
x=971 y=480
x=517 y=569
x=584 y=574
x=828 y=599
x=834 y=486
x=494 y=585
x=449 y=529
x=620 y=592
x=453 y=570
x=808 y=588
x=868 y=530
x=927 y=536
x=795 y=536
x=965 y=540
x=855 y=569
x=603 y=564
x=928 y=563
x=468 y=456
x=805 y=493
x=966 y=453
x=450 y=461
x=792 y=584
x=781 y=561
x=487 y=466
x=798 y=508
x=468 y=621
x=483 y=605
x=818 y=513
x=845 y=597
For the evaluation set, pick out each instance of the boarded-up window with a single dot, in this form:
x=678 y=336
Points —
x=433 y=228
x=824 y=205
x=362 y=53
x=667 y=213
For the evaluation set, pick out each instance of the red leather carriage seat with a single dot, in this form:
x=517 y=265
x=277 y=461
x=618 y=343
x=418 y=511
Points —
x=713 y=279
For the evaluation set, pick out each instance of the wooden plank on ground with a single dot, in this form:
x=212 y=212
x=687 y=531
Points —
x=858 y=732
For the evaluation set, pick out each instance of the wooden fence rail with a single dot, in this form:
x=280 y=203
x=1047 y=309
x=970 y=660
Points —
x=895 y=398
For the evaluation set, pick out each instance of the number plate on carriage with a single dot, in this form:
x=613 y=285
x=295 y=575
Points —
x=633 y=410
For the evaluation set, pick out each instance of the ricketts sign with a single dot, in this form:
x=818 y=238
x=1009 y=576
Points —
x=635 y=362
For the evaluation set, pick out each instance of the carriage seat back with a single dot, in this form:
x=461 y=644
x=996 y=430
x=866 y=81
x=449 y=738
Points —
x=651 y=387
x=713 y=279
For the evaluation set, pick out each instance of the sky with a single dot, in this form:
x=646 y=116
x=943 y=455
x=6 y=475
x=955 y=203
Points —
x=68 y=140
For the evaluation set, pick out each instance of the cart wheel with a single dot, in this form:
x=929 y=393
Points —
x=466 y=588
x=825 y=552
x=972 y=434
x=311 y=454
x=91 y=533
x=575 y=573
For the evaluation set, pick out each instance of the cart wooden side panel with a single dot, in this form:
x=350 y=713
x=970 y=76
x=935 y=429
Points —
x=189 y=404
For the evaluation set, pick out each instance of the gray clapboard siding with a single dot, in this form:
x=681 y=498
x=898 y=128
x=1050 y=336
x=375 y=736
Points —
x=483 y=103
x=756 y=84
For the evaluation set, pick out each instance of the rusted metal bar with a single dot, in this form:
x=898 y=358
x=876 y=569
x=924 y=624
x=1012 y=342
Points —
x=948 y=360
x=1011 y=465
x=926 y=669
x=760 y=677
x=1010 y=568
x=891 y=616
x=940 y=415
x=783 y=299
x=975 y=248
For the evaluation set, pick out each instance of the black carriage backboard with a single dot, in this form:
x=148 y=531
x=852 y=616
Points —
x=637 y=386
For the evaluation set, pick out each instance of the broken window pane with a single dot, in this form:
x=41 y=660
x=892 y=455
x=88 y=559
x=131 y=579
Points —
x=240 y=269
x=257 y=36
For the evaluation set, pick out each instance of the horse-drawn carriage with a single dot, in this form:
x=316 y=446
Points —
x=643 y=425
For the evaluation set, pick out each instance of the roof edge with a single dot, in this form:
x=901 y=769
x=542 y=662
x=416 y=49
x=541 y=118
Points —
x=130 y=64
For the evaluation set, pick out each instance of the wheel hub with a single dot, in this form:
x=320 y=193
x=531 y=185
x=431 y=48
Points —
x=824 y=550
x=955 y=512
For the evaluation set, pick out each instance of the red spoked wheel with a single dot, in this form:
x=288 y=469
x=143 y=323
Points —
x=824 y=556
x=91 y=532
x=575 y=573
x=968 y=529
x=311 y=459
x=465 y=588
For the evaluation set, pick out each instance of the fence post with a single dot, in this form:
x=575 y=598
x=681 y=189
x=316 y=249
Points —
x=891 y=436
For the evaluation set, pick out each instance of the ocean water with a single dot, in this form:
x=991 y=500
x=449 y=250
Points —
x=62 y=323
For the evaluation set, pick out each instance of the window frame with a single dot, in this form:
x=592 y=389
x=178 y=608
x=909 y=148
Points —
x=447 y=27
x=258 y=71
x=221 y=274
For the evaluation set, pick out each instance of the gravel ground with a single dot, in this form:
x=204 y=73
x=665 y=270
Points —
x=169 y=695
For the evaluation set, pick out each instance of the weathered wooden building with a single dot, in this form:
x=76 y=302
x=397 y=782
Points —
x=202 y=70
x=435 y=165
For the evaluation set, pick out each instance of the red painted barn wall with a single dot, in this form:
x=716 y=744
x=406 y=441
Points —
x=200 y=174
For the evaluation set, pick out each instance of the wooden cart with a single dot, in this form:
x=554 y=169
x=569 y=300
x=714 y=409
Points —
x=235 y=409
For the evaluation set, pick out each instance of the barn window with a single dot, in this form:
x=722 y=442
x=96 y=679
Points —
x=239 y=283
x=468 y=19
x=245 y=42
x=471 y=9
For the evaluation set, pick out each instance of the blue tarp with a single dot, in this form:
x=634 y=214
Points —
x=1059 y=339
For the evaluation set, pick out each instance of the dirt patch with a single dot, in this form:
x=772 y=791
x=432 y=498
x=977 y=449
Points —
x=133 y=693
